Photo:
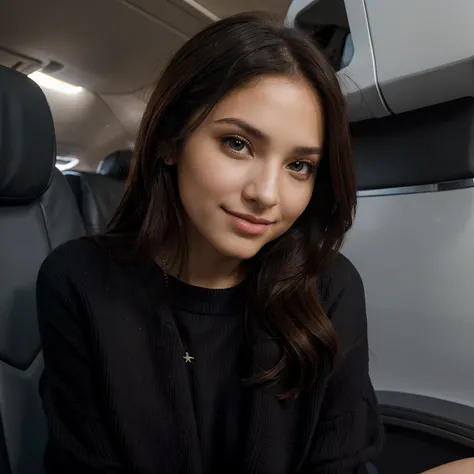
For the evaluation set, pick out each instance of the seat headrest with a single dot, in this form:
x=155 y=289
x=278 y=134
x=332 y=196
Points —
x=27 y=139
x=116 y=165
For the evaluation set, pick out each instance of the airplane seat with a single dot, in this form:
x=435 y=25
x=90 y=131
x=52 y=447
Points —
x=37 y=213
x=412 y=242
x=99 y=194
x=74 y=180
x=347 y=52
x=4 y=463
x=116 y=165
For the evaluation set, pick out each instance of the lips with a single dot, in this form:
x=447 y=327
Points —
x=248 y=224
x=250 y=218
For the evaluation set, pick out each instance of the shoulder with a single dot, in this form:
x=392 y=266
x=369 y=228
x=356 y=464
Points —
x=89 y=272
x=67 y=257
x=82 y=278
x=61 y=281
x=74 y=259
x=343 y=298
x=340 y=274
x=340 y=278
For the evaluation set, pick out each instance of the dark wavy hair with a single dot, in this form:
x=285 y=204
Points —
x=284 y=294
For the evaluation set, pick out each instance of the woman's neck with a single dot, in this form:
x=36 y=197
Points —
x=204 y=269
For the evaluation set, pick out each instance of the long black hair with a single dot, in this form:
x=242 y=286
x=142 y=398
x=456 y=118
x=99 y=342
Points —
x=224 y=57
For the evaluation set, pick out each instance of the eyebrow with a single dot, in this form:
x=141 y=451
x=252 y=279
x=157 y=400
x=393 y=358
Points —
x=255 y=132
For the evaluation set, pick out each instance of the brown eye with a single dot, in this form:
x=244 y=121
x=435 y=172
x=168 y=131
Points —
x=236 y=144
x=298 y=166
x=303 y=168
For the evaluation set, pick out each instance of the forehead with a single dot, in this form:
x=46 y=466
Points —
x=279 y=106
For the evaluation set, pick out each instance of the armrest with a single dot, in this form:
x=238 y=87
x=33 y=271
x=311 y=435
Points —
x=441 y=418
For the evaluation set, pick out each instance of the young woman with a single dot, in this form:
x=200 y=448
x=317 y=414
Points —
x=215 y=328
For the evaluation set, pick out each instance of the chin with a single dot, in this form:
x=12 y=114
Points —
x=243 y=250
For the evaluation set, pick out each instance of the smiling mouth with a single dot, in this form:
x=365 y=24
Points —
x=250 y=218
x=249 y=224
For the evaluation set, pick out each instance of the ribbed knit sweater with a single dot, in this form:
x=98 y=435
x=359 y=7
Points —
x=119 y=397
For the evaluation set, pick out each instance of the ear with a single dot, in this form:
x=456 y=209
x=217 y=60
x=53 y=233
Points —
x=168 y=154
x=169 y=160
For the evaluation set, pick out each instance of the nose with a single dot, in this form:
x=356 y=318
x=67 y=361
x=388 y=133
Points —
x=263 y=186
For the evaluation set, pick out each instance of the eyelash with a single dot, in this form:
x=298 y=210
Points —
x=225 y=141
x=311 y=164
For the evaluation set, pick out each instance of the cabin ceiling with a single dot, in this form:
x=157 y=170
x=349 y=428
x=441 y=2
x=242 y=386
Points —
x=114 y=49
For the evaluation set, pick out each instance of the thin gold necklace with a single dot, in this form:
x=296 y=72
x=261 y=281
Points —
x=188 y=359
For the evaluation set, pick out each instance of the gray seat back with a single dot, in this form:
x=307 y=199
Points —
x=37 y=213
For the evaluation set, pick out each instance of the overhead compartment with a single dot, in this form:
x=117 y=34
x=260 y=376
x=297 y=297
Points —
x=342 y=30
x=423 y=50
x=407 y=54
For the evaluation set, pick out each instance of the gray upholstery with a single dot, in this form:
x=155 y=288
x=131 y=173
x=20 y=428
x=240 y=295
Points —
x=99 y=194
x=4 y=463
x=37 y=213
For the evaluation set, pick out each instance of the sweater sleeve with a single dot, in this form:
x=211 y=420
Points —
x=78 y=439
x=350 y=432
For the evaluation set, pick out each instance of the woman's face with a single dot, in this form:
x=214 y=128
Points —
x=248 y=171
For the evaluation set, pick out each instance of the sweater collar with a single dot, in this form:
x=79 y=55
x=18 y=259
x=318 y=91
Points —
x=195 y=299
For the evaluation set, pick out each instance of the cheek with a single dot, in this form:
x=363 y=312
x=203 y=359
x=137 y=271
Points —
x=205 y=180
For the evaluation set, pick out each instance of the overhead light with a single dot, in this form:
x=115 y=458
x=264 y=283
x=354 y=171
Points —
x=64 y=163
x=52 y=83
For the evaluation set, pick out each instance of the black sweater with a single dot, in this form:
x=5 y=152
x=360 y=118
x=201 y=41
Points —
x=119 y=398
x=210 y=324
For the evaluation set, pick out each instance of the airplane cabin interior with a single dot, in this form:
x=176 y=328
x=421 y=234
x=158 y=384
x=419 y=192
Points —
x=74 y=82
